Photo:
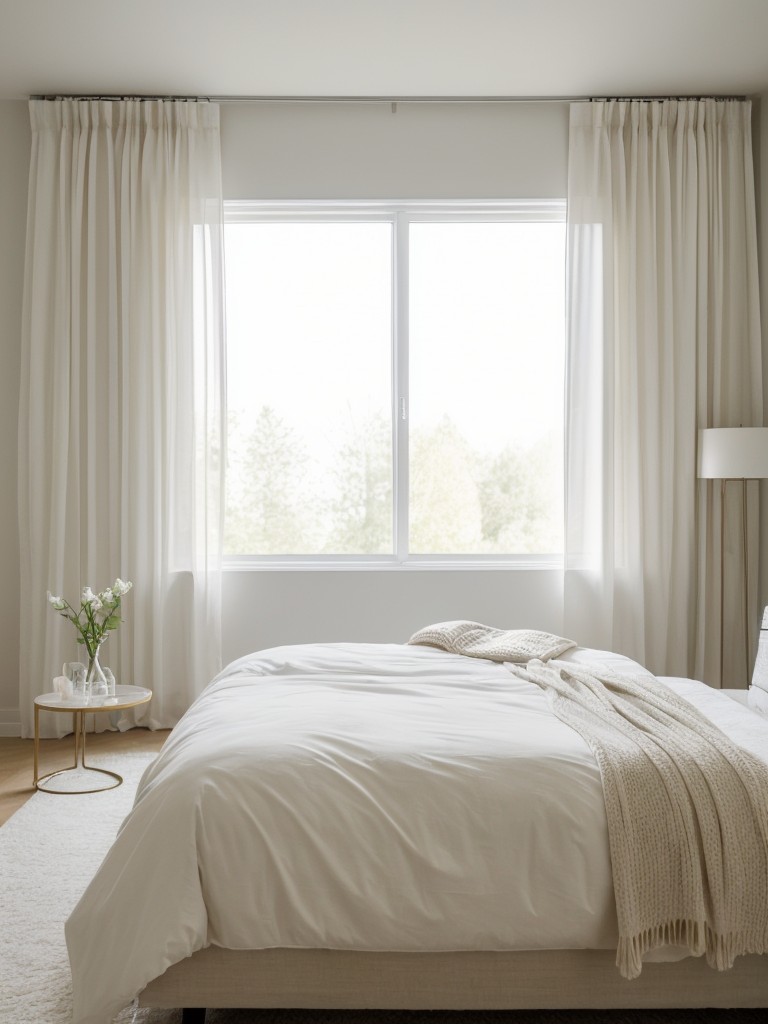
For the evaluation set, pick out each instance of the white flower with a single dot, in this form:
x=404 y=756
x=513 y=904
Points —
x=97 y=615
x=90 y=598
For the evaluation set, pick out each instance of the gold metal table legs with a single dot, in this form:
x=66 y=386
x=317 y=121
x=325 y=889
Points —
x=78 y=728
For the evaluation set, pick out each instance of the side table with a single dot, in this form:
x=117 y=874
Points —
x=125 y=697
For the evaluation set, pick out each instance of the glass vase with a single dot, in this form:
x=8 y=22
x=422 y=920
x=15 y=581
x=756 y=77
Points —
x=81 y=688
x=96 y=684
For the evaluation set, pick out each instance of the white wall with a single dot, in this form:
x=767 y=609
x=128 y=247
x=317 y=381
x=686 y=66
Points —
x=14 y=169
x=364 y=151
x=424 y=151
x=266 y=609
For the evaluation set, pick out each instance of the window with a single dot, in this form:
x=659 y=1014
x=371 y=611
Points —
x=395 y=383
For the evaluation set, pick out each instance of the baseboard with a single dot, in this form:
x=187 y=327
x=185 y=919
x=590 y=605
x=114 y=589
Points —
x=10 y=723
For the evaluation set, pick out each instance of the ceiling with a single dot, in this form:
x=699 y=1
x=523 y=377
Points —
x=383 y=47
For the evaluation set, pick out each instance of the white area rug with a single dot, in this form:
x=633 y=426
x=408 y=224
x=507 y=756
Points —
x=49 y=851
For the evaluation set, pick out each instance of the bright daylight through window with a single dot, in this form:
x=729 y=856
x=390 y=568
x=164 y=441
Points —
x=395 y=383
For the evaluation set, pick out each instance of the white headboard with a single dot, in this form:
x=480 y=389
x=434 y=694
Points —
x=760 y=674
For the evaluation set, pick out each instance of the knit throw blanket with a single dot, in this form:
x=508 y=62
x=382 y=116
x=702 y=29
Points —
x=687 y=814
x=477 y=641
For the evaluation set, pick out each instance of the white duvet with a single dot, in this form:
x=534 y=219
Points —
x=355 y=796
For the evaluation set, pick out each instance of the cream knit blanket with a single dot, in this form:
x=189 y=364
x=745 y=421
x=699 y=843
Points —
x=477 y=641
x=687 y=814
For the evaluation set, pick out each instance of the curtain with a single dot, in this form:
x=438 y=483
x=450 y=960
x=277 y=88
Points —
x=664 y=339
x=121 y=405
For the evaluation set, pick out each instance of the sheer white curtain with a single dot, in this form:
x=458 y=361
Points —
x=664 y=338
x=121 y=406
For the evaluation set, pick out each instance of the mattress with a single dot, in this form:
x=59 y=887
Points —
x=360 y=797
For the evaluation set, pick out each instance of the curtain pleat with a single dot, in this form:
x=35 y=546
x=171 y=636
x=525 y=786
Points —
x=664 y=339
x=121 y=407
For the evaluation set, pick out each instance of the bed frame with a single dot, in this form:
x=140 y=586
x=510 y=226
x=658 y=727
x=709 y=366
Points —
x=545 y=979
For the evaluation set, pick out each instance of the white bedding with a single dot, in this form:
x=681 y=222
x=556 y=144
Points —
x=353 y=796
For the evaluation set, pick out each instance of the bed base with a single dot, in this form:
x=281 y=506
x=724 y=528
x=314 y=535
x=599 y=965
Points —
x=546 y=979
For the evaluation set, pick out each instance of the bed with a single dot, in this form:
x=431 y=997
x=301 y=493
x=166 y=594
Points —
x=378 y=826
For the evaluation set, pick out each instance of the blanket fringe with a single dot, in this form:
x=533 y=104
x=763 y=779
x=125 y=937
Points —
x=697 y=937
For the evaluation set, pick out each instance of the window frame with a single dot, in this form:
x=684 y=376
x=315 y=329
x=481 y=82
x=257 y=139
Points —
x=400 y=214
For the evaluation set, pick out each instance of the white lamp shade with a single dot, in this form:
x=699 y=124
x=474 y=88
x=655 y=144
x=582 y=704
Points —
x=733 y=453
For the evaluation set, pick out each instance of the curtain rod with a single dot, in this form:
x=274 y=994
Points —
x=316 y=99
x=383 y=99
x=122 y=96
x=658 y=99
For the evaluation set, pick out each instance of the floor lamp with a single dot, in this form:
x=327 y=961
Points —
x=727 y=454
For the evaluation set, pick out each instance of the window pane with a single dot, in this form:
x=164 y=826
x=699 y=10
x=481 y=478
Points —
x=486 y=387
x=309 y=335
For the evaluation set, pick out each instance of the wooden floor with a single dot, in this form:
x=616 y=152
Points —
x=16 y=760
